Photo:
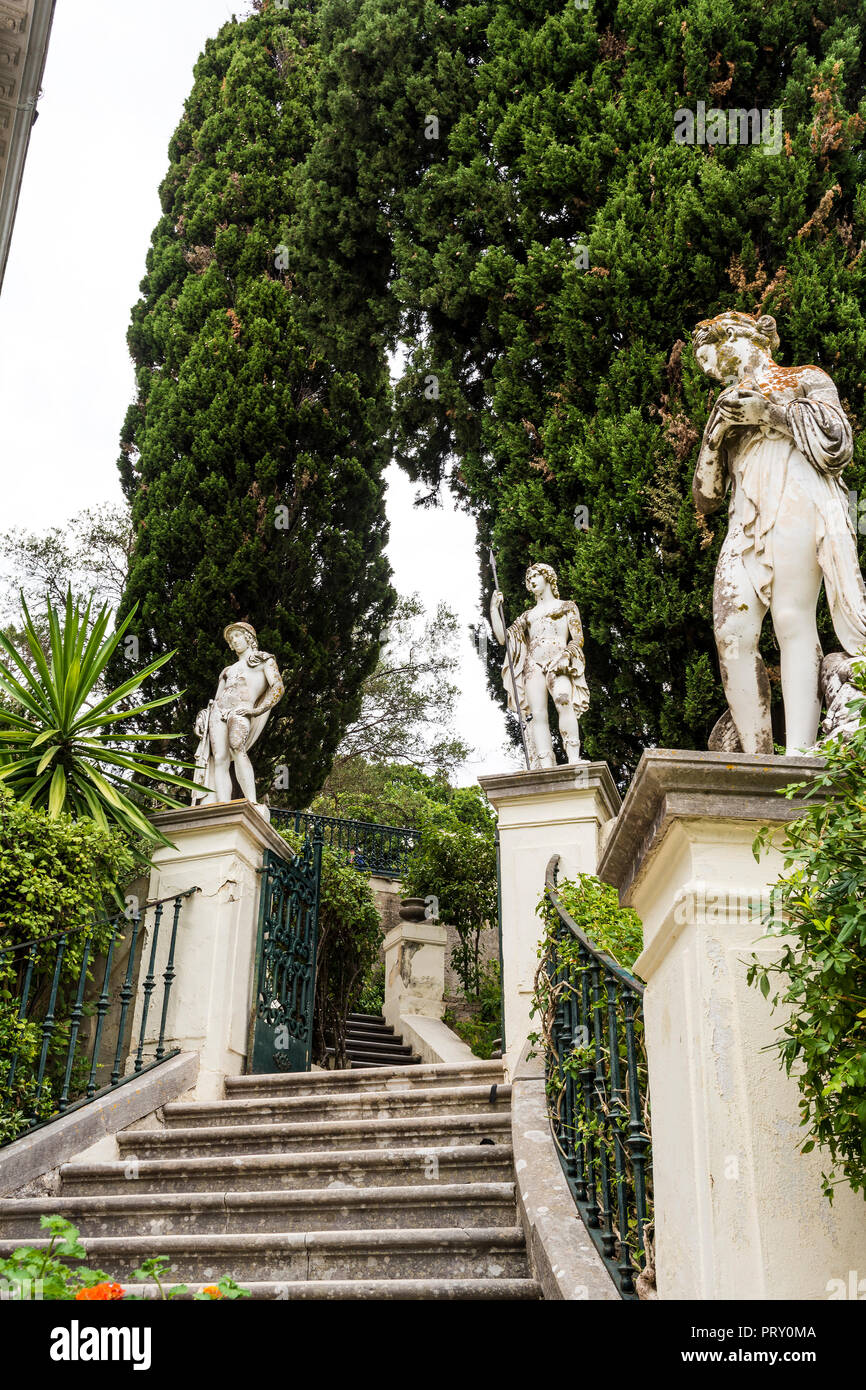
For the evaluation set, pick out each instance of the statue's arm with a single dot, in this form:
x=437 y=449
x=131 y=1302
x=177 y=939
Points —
x=710 y=481
x=275 y=690
x=497 y=619
x=575 y=626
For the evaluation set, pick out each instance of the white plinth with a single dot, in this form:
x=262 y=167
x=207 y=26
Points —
x=557 y=811
x=219 y=849
x=414 y=971
x=739 y=1211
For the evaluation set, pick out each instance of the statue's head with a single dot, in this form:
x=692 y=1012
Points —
x=241 y=637
x=539 y=575
x=728 y=346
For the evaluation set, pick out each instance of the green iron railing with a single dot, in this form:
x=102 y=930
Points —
x=383 y=850
x=288 y=936
x=53 y=1036
x=597 y=1092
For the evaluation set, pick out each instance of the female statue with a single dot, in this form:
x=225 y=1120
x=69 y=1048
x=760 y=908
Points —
x=779 y=438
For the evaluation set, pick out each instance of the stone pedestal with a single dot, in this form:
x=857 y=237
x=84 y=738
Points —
x=557 y=811
x=218 y=849
x=739 y=1211
x=414 y=971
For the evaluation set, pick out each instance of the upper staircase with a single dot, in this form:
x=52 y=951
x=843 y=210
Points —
x=381 y=1181
x=371 y=1042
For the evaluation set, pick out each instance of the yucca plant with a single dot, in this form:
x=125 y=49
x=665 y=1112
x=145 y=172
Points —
x=62 y=747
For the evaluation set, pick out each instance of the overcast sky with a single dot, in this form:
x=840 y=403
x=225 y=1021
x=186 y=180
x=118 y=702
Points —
x=117 y=75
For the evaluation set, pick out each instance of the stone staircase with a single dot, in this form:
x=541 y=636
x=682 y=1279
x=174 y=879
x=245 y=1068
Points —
x=371 y=1042
x=381 y=1182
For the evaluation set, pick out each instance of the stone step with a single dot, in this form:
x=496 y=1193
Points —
x=371 y=1030
x=378 y=1045
x=360 y=1168
x=366 y=1018
x=239 y=1139
x=384 y=1104
x=383 y=1057
x=482 y=1253
x=430 y=1290
x=326 y=1083
x=360 y=1063
x=335 y=1208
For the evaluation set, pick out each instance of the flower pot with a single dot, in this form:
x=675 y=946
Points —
x=413 y=909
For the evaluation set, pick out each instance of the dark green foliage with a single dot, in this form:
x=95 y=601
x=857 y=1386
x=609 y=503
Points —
x=455 y=864
x=482 y=1030
x=565 y=385
x=55 y=875
x=594 y=907
x=819 y=973
x=252 y=461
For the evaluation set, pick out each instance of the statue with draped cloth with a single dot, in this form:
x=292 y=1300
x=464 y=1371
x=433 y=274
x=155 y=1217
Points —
x=778 y=439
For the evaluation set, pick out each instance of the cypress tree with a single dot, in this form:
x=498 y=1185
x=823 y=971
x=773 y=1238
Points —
x=251 y=456
x=554 y=254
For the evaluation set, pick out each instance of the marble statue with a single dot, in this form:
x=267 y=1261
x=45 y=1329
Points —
x=246 y=693
x=839 y=687
x=546 y=649
x=779 y=439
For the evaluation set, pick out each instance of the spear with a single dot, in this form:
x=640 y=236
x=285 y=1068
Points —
x=520 y=719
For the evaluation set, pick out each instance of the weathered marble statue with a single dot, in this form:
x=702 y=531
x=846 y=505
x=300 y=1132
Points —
x=546 y=646
x=246 y=693
x=779 y=438
x=839 y=688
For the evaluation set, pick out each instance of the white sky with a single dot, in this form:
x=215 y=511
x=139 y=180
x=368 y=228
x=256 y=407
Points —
x=117 y=74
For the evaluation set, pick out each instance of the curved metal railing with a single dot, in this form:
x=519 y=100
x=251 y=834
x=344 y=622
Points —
x=597 y=1094
x=376 y=849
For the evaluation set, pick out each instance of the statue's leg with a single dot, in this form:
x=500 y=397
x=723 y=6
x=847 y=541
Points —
x=219 y=742
x=239 y=732
x=738 y=613
x=536 y=695
x=796 y=586
x=563 y=698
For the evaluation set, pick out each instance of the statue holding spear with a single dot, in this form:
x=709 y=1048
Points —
x=543 y=658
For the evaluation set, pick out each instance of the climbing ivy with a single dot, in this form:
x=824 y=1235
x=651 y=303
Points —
x=818 y=978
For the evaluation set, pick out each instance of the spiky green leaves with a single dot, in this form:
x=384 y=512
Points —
x=66 y=747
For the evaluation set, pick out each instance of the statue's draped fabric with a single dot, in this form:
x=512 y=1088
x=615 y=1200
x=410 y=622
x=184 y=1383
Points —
x=546 y=651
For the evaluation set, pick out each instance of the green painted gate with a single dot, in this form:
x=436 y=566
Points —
x=285 y=985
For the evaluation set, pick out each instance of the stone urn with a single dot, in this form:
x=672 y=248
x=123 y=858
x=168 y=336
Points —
x=413 y=909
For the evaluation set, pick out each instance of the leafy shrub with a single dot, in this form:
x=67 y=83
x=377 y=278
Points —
x=455 y=862
x=32 y=1273
x=483 y=1029
x=371 y=999
x=595 y=908
x=55 y=875
x=819 y=908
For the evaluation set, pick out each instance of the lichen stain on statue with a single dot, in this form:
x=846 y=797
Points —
x=546 y=648
x=246 y=693
x=778 y=438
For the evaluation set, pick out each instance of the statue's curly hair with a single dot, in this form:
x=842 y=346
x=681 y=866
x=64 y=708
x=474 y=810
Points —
x=762 y=328
x=549 y=573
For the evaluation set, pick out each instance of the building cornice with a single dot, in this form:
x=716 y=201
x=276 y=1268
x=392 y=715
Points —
x=25 y=28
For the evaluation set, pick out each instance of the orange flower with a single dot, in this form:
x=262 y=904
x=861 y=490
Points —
x=100 y=1291
x=212 y=1291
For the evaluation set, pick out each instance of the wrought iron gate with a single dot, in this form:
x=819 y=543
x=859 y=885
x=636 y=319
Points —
x=282 y=1033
